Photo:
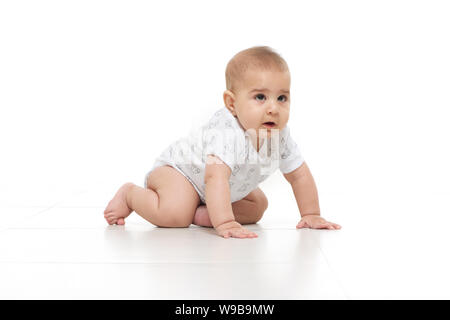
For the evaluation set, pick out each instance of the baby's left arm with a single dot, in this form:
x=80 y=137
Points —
x=305 y=191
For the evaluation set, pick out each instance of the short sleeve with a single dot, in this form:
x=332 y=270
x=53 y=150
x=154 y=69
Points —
x=225 y=143
x=290 y=156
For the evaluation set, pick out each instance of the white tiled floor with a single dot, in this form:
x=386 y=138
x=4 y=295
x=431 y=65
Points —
x=67 y=251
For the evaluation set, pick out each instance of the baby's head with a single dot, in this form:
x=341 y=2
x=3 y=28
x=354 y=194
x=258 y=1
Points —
x=258 y=84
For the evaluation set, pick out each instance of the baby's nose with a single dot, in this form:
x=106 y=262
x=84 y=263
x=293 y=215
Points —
x=272 y=107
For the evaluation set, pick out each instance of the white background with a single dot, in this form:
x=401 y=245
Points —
x=92 y=91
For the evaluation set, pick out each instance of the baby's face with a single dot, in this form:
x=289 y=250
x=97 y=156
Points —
x=263 y=96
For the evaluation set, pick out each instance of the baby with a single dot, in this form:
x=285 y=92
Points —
x=210 y=178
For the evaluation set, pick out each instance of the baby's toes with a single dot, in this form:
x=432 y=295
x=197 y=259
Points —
x=110 y=221
x=111 y=207
x=110 y=218
x=107 y=211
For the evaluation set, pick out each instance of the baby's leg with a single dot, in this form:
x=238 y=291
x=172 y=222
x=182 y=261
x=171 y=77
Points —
x=170 y=200
x=246 y=211
x=250 y=209
x=117 y=210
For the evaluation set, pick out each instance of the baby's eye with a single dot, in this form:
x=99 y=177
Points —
x=285 y=98
x=259 y=95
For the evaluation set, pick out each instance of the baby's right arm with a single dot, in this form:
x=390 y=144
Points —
x=218 y=201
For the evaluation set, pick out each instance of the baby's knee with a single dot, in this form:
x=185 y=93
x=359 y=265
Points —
x=264 y=203
x=180 y=223
x=174 y=219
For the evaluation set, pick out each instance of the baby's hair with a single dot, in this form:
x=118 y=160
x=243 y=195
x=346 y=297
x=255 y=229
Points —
x=260 y=58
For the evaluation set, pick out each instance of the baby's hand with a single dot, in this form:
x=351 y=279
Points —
x=316 y=222
x=235 y=230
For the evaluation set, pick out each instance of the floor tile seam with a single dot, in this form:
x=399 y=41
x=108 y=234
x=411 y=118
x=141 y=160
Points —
x=103 y=228
x=23 y=207
x=80 y=207
x=333 y=271
x=58 y=228
x=146 y=263
x=53 y=206
x=44 y=209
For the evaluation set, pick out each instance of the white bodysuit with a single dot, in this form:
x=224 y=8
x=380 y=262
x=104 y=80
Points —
x=224 y=137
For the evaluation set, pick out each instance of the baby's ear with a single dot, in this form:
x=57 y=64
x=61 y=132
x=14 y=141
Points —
x=228 y=99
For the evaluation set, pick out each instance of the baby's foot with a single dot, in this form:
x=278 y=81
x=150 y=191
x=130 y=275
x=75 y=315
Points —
x=117 y=209
x=201 y=217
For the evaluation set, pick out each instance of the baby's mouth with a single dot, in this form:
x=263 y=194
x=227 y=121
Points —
x=269 y=124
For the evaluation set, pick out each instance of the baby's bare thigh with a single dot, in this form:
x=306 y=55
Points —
x=178 y=199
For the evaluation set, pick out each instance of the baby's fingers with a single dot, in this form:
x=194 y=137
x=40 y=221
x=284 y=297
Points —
x=329 y=226
x=336 y=226
x=242 y=233
x=302 y=224
x=323 y=225
x=250 y=234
